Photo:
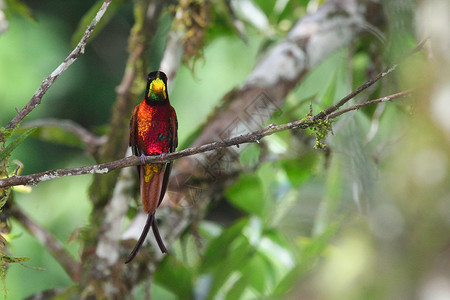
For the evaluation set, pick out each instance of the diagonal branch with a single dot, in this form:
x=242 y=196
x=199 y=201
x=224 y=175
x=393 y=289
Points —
x=48 y=82
x=370 y=82
x=251 y=137
x=337 y=113
x=54 y=247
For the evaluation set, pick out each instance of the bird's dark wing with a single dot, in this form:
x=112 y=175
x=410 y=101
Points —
x=133 y=136
x=173 y=130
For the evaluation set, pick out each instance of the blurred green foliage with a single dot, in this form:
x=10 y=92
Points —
x=358 y=221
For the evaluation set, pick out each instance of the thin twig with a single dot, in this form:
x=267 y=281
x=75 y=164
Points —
x=251 y=137
x=375 y=101
x=370 y=82
x=47 y=83
x=54 y=247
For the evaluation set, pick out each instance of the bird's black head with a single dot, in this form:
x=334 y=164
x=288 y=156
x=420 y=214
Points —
x=156 y=91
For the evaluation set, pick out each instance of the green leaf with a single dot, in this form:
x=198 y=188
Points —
x=219 y=247
x=247 y=194
x=255 y=278
x=240 y=244
x=276 y=251
x=311 y=250
x=238 y=288
x=229 y=266
x=89 y=16
x=7 y=151
x=258 y=273
x=173 y=275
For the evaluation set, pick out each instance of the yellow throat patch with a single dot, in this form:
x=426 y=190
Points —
x=157 y=86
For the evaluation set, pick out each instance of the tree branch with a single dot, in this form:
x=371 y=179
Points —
x=54 y=247
x=251 y=137
x=311 y=40
x=375 y=101
x=48 y=82
x=370 y=82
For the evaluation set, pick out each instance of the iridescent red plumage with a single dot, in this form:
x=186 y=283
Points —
x=153 y=131
x=154 y=127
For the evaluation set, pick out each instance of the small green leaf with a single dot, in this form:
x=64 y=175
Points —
x=219 y=247
x=240 y=251
x=255 y=281
x=311 y=250
x=238 y=288
x=174 y=275
x=7 y=151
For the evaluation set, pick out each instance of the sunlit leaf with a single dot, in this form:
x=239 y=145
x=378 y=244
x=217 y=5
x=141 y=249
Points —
x=240 y=243
x=310 y=251
x=219 y=247
x=235 y=258
x=23 y=189
x=209 y=229
x=238 y=288
x=255 y=276
x=173 y=275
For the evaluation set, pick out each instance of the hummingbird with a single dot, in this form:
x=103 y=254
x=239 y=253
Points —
x=153 y=131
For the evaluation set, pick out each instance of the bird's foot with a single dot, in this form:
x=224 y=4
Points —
x=143 y=158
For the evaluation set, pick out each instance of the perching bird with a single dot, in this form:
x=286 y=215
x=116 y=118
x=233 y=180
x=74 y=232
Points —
x=153 y=131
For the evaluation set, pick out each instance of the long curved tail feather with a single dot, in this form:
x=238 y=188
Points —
x=151 y=221
x=158 y=236
x=141 y=240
